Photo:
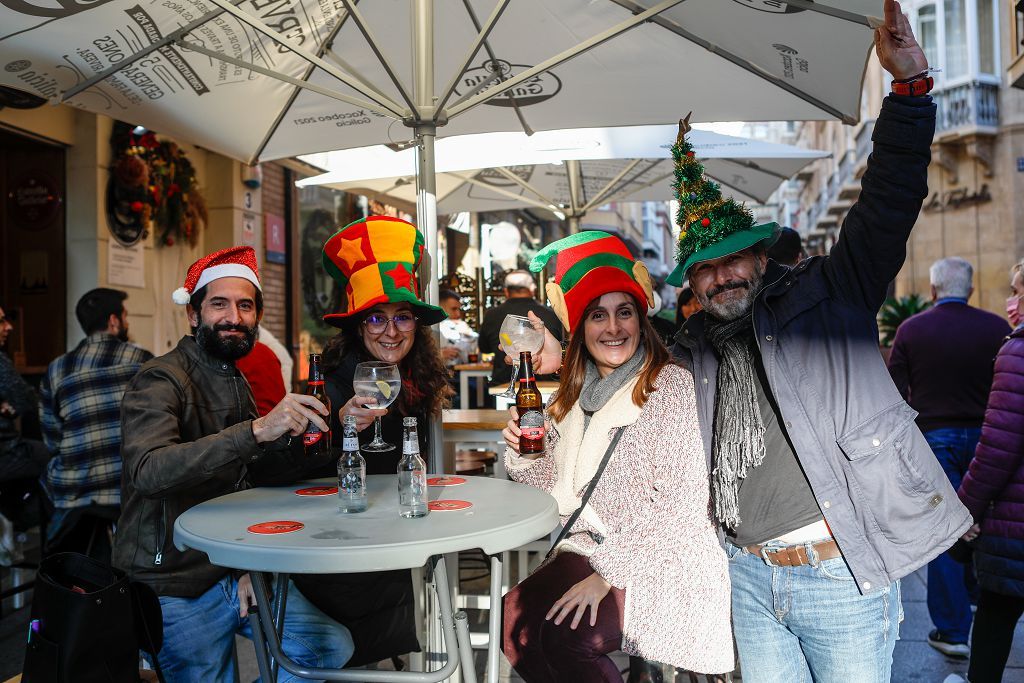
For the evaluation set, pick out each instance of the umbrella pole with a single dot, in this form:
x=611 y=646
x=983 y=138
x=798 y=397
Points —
x=426 y=181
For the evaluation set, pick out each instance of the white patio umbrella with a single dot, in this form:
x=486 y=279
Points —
x=265 y=79
x=602 y=165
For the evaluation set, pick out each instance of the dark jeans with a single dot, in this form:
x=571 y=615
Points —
x=949 y=582
x=541 y=652
x=993 y=635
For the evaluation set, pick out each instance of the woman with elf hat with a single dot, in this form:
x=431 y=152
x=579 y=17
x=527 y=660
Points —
x=375 y=261
x=640 y=568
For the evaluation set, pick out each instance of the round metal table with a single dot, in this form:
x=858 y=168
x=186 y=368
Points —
x=504 y=515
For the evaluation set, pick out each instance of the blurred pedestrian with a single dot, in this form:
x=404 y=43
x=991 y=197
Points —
x=788 y=248
x=993 y=491
x=80 y=416
x=20 y=458
x=686 y=305
x=941 y=362
x=520 y=299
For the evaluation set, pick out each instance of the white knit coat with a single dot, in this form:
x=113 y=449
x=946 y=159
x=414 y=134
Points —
x=652 y=508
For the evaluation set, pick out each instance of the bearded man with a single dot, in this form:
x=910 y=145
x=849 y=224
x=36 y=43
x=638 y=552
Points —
x=190 y=433
x=826 y=491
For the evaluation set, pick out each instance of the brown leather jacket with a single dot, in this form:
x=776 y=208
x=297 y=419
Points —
x=186 y=425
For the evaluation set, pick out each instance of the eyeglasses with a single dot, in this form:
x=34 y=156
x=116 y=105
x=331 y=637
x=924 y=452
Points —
x=377 y=323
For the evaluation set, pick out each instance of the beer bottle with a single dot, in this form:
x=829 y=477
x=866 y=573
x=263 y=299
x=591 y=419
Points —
x=351 y=470
x=530 y=406
x=316 y=441
x=412 y=474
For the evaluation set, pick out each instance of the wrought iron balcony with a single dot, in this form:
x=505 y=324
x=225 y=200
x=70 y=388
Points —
x=970 y=106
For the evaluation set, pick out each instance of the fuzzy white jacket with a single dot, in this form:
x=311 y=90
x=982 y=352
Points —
x=651 y=507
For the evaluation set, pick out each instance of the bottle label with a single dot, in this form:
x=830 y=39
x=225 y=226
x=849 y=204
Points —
x=531 y=423
x=410 y=447
x=350 y=444
x=315 y=383
x=310 y=438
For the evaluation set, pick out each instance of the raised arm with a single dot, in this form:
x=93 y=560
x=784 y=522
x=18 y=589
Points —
x=872 y=242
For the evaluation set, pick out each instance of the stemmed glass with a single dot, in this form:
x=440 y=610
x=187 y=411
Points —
x=517 y=335
x=381 y=381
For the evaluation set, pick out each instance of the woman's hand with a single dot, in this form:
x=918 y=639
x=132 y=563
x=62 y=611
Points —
x=364 y=416
x=246 y=595
x=511 y=431
x=588 y=592
x=549 y=359
x=972 y=533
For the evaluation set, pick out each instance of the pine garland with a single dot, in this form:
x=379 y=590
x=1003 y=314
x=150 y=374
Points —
x=704 y=217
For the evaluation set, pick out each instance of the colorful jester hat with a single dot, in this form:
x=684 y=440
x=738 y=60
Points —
x=375 y=260
x=710 y=226
x=590 y=264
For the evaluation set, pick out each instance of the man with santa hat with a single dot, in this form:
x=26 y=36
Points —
x=190 y=433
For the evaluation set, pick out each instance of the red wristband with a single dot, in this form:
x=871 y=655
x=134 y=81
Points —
x=914 y=87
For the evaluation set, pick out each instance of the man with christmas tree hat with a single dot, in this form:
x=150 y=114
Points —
x=827 y=492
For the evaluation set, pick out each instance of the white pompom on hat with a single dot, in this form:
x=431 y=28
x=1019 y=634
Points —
x=230 y=262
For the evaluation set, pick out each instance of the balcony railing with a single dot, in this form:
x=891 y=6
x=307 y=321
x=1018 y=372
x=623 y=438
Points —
x=971 y=105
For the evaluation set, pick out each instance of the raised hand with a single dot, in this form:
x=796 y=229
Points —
x=549 y=359
x=897 y=49
x=364 y=416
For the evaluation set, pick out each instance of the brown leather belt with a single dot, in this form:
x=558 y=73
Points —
x=796 y=555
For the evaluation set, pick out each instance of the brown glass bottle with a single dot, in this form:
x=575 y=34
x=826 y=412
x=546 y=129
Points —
x=316 y=441
x=530 y=405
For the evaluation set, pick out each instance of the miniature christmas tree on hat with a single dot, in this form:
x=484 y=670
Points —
x=710 y=225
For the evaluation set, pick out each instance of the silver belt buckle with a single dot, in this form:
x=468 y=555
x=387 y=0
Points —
x=764 y=555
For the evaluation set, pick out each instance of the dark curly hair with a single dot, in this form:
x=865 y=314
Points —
x=424 y=376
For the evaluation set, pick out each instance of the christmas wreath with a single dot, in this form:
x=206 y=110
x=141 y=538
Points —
x=154 y=183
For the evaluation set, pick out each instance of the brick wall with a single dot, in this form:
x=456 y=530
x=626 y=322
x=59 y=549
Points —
x=275 y=299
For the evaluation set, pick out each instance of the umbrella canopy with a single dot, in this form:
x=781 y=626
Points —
x=265 y=79
x=614 y=164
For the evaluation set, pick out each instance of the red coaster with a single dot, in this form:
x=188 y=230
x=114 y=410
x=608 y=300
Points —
x=448 y=505
x=317 y=491
x=446 y=481
x=279 y=527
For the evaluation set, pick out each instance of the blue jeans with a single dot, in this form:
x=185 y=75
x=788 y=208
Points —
x=949 y=582
x=199 y=634
x=810 y=623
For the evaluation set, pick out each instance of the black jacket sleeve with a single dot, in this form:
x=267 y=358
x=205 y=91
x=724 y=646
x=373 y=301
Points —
x=872 y=243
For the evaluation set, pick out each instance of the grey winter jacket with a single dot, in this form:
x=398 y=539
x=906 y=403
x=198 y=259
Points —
x=186 y=426
x=881 y=490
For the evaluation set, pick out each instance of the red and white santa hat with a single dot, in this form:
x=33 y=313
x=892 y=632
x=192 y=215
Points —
x=230 y=262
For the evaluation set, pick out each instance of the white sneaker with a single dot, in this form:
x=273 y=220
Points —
x=954 y=678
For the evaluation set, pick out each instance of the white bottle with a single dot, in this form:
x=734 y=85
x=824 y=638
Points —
x=412 y=474
x=351 y=470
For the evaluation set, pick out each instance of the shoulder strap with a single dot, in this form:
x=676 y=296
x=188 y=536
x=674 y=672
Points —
x=590 y=490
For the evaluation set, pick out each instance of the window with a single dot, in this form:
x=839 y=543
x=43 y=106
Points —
x=986 y=37
x=955 y=23
x=927 y=34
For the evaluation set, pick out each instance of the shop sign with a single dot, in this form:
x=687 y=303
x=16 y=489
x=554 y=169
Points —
x=277 y=250
x=957 y=199
x=34 y=201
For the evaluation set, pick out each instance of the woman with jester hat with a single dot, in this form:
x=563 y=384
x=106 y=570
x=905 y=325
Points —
x=640 y=568
x=375 y=261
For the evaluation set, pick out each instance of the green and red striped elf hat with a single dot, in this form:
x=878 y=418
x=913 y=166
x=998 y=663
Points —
x=588 y=265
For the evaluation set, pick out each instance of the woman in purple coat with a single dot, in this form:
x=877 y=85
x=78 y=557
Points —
x=993 y=491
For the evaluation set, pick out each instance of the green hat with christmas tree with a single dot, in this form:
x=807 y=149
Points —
x=710 y=225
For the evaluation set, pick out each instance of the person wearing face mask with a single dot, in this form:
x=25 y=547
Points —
x=993 y=491
x=80 y=416
x=375 y=261
x=639 y=566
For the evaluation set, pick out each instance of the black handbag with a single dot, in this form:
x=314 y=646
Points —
x=88 y=623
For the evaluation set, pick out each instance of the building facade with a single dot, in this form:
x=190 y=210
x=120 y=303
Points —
x=975 y=206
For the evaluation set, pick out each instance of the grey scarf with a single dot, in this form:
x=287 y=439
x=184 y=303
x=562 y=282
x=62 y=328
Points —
x=738 y=444
x=597 y=390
